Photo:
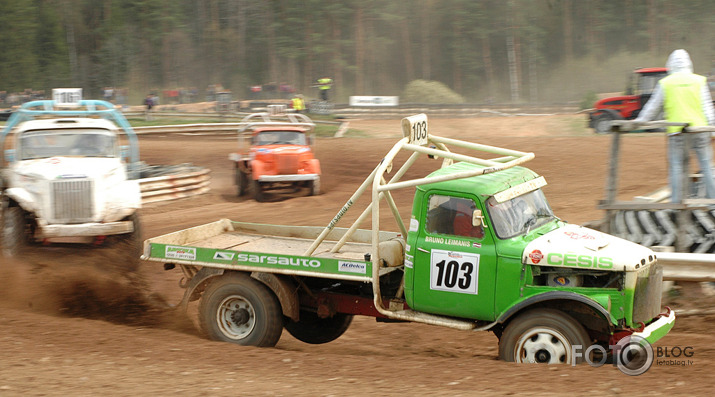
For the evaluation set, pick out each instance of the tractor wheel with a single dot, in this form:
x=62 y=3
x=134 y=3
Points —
x=14 y=231
x=542 y=336
x=236 y=308
x=315 y=330
x=602 y=124
x=241 y=182
x=314 y=187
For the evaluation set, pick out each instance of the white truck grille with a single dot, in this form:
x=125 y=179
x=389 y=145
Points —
x=72 y=200
x=647 y=296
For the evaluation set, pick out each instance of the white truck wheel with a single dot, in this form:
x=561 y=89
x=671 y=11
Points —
x=14 y=231
x=542 y=336
x=236 y=308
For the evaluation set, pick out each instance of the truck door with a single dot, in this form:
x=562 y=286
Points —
x=454 y=261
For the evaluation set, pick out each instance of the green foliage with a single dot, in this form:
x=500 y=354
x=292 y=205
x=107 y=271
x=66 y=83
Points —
x=424 y=91
x=561 y=49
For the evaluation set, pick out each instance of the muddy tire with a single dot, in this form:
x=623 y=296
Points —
x=258 y=191
x=128 y=247
x=602 y=124
x=238 y=309
x=315 y=330
x=542 y=336
x=314 y=187
x=14 y=231
x=241 y=182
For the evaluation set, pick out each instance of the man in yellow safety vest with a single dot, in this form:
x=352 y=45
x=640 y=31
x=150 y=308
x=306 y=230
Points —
x=684 y=97
x=324 y=84
x=298 y=103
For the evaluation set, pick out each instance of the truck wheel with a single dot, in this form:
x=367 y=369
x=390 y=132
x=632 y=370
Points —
x=602 y=124
x=129 y=246
x=314 y=187
x=241 y=182
x=236 y=308
x=14 y=231
x=315 y=330
x=257 y=191
x=542 y=336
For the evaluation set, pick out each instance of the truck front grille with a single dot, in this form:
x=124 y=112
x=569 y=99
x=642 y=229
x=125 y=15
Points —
x=72 y=200
x=648 y=294
x=287 y=163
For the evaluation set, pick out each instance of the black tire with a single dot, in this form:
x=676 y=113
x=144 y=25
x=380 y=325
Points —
x=315 y=330
x=128 y=246
x=236 y=308
x=257 y=191
x=602 y=124
x=241 y=182
x=542 y=336
x=14 y=231
x=314 y=187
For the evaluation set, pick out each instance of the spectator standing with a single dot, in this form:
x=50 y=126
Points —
x=298 y=103
x=324 y=85
x=684 y=97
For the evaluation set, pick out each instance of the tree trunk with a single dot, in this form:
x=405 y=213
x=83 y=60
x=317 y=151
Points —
x=359 y=51
x=407 y=49
x=568 y=30
x=425 y=38
x=488 y=67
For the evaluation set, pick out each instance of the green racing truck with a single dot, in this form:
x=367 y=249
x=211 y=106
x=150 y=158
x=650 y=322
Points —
x=482 y=250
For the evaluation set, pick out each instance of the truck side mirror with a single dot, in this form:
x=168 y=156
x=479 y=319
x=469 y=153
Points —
x=477 y=218
x=10 y=155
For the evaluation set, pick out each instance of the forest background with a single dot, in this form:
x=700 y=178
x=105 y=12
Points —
x=518 y=51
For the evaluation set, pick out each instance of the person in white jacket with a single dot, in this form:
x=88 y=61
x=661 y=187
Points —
x=684 y=97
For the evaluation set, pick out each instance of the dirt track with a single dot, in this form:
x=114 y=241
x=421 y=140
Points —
x=68 y=328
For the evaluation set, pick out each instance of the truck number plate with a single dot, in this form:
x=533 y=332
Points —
x=454 y=271
x=414 y=128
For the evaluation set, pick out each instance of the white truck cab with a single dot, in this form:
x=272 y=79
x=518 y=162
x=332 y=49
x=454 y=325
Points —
x=65 y=178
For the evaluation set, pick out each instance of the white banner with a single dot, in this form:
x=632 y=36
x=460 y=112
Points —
x=374 y=100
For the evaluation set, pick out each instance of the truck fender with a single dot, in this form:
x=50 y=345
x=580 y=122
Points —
x=198 y=279
x=557 y=298
x=22 y=197
x=257 y=167
x=130 y=194
x=315 y=166
x=284 y=290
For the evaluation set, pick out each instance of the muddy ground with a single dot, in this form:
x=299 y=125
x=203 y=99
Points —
x=68 y=326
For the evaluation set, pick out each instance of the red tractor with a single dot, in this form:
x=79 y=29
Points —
x=626 y=107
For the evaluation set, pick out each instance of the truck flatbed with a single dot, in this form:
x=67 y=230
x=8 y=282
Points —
x=280 y=249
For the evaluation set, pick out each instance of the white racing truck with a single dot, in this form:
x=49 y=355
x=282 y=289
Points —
x=66 y=179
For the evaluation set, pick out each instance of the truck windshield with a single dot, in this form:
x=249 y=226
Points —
x=519 y=215
x=279 y=137
x=88 y=143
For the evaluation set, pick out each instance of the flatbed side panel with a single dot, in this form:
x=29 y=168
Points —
x=187 y=236
x=262 y=262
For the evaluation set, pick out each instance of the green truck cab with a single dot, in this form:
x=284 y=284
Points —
x=481 y=250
